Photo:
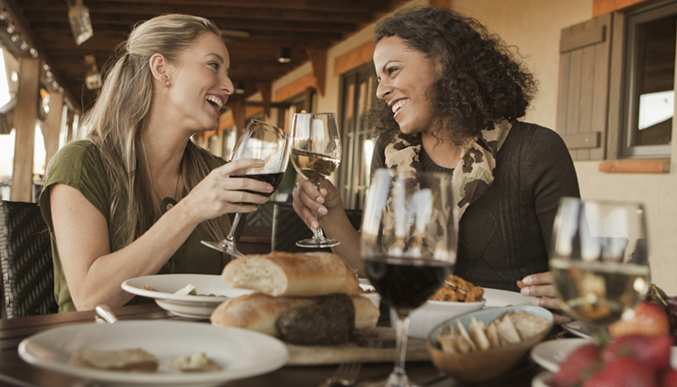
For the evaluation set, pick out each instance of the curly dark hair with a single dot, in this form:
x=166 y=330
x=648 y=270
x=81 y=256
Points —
x=480 y=83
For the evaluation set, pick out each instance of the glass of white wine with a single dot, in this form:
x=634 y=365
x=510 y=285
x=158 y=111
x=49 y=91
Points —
x=316 y=154
x=599 y=260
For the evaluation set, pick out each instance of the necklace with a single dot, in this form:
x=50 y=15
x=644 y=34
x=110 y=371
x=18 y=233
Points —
x=167 y=202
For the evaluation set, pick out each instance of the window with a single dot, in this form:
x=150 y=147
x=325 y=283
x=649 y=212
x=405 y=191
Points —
x=358 y=96
x=650 y=77
x=616 y=83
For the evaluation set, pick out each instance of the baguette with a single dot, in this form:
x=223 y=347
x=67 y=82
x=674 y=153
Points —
x=287 y=274
x=259 y=312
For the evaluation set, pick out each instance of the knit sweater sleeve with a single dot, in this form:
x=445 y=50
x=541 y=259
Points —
x=553 y=177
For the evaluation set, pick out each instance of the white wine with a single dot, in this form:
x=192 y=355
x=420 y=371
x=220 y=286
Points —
x=599 y=292
x=313 y=166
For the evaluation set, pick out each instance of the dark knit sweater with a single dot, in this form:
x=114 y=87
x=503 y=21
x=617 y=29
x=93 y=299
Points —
x=506 y=233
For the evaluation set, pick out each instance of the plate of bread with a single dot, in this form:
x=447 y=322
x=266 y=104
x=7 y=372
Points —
x=186 y=295
x=311 y=301
x=161 y=353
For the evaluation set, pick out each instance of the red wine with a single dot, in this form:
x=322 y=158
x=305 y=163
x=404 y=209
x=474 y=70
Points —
x=273 y=179
x=406 y=283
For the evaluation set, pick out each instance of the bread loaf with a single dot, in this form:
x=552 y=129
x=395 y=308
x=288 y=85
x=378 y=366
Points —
x=259 y=312
x=279 y=273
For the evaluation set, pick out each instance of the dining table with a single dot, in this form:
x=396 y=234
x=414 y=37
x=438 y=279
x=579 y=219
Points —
x=15 y=371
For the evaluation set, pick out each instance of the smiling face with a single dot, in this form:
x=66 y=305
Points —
x=406 y=77
x=199 y=83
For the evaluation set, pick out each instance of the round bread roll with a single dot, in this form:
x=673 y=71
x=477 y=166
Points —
x=259 y=312
x=288 y=274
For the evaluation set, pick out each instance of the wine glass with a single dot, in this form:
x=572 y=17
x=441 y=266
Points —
x=265 y=142
x=599 y=260
x=408 y=245
x=316 y=153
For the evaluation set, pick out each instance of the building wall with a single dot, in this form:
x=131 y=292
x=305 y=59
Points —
x=533 y=26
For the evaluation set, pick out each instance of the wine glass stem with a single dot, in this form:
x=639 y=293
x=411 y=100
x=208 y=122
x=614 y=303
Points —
x=399 y=376
x=233 y=227
x=318 y=234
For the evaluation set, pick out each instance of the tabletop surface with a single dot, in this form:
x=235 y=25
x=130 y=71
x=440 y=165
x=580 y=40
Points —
x=15 y=371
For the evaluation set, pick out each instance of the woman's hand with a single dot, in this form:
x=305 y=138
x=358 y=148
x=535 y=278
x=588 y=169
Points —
x=540 y=285
x=310 y=202
x=219 y=193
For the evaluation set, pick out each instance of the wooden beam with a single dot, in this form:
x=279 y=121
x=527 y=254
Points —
x=318 y=60
x=354 y=58
x=28 y=34
x=25 y=117
x=600 y=7
x=444 y=4
x=295 y=87
x=265 y=88
x=52 y=126
x=635 y=166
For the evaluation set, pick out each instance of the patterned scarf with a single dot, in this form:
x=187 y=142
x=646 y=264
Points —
x=474 y=174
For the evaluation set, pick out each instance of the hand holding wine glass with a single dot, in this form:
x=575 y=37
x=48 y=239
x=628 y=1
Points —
x=265 y=142
x=599 y=260
x=316 y=154
x=408 y=245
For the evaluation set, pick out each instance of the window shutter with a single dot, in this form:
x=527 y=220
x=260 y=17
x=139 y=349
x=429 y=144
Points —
x=583 y=96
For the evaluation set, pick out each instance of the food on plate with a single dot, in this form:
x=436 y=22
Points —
x=148 y=287
x=457 y=289
x=196 y=362
x=510 y=328
x=289 y=274
x=190 y=290
x=260 y=312
x=631 y=360
x=131 y=359
x=329 y=320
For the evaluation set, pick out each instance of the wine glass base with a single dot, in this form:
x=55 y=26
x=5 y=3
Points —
x=311 y=243
x=397 y=379
x=224 y=246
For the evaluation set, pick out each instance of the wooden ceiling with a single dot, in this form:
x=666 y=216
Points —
x=262 y=27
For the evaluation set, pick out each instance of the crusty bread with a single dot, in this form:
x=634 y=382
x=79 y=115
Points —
x=280 y=273
x=259 y=312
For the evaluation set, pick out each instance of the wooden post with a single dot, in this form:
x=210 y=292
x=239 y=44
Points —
x=52 y=127
x=239 y=115
x=318 y=60
x=266 y=89
x=25 y=116
x=70 y=117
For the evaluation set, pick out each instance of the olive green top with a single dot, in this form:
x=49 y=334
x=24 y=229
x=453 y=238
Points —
x=81 y=166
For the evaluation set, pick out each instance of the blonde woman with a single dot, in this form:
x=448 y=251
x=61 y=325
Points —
x=137 y=196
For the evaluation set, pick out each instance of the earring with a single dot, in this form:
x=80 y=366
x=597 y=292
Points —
x=166 y=78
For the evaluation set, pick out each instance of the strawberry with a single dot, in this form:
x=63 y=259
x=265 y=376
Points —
x=651 y=351
x=649 y=319
x=669 y=378
x=579 y=365
x=623 y=372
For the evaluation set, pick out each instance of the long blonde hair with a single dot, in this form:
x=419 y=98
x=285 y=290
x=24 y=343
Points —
x=121 y=111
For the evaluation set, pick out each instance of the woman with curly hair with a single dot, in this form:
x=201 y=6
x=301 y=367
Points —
x=453 y=96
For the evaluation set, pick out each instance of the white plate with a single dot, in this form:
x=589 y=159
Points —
x=241 y=353
x=425 y=318
x=549 y=354
x=498 y=297
x=577 y=328
x=162 y=287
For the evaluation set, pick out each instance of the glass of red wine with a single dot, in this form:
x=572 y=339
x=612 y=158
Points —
x=408 y=245
x=262 y=141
